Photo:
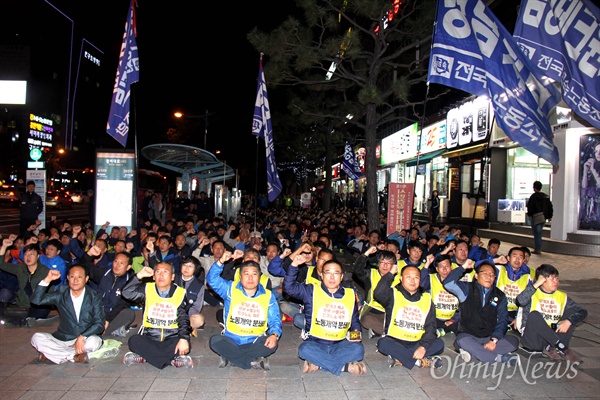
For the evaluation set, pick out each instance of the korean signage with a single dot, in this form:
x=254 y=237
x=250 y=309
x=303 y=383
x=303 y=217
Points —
x=469 y=123
x=401 y=145
x=400 y=206
x=433 y=137
x=41 y=133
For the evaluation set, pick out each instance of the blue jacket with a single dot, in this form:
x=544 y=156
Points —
x=224 y=289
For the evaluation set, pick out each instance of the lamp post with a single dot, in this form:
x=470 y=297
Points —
x=204 y=117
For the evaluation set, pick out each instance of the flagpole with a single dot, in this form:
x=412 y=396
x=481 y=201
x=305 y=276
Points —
x=256 y=185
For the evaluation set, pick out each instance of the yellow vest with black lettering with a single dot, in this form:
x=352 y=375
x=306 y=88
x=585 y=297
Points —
x=370 y=301
x=310 y=279
x=408 y=318
x=247 y=316
x=264 y=278
x=551 y=306
x=511 y=288
x=161 y=312
x=445 y=303
x=331 y=317
x=468 y=275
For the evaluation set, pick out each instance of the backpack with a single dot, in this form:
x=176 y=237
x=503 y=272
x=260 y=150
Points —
x=547 y=207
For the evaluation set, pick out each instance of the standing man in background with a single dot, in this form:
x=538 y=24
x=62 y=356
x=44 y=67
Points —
x=539 y=209
x=435 y=207
x=31 y=207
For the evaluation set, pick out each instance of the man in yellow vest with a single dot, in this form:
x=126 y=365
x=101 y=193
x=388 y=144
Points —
x=372 y=314
x=334 y=341
x=165 y=337
x=548 y=316
x=513 y=278
x=410 y=327
x=446 y=304
x=251 y=317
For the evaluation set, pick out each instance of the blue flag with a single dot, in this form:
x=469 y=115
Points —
x=472 y=51
x=261 y=126
x=351 y=167
x=128 y=72
x=562 y=40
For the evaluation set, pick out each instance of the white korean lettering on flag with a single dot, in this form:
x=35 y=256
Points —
x=562 y=40
x=473 y=52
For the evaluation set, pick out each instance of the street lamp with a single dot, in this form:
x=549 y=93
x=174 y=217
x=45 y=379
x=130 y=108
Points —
x=204 y=117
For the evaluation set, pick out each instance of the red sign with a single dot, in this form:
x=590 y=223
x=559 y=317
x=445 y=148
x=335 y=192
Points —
x=400 y=206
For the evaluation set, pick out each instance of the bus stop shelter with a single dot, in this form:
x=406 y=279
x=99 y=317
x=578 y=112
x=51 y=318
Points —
x=190 y=162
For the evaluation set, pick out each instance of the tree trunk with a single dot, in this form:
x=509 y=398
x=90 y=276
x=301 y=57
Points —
x=371 y=168
x=328 y=178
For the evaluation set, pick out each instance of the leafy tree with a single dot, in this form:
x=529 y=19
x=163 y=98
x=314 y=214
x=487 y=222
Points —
x=365 y=57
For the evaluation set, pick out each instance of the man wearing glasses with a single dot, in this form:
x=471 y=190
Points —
x=483 y=316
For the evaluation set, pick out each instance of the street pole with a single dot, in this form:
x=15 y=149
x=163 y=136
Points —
x=205 y=128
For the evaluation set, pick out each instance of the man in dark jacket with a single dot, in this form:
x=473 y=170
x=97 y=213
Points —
x=538 y=203
x=165 y=338
x=31 y=207
x=110 y=283
x=483 y=316
x=81 y=318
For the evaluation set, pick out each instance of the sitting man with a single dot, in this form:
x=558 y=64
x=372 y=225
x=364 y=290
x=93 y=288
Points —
x=372 y=313
x=81 y=318
x=29 y=275
x=549 y=328
x=165 y=338
x=410 y=325
x=334 y=342
x=483 y=316
x=446 y=304
x=513 y=278
x=252 y=320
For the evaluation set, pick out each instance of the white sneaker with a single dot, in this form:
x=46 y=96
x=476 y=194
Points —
x=465 y=355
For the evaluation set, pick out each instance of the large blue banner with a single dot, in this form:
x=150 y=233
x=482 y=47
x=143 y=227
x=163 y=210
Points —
x=351 y=167
x=261 y=126
x=562 y=40
x=128 y=72
x=472 y=51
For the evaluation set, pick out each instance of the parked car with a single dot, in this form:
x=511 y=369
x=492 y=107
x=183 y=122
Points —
x=9 y=195
x=58 y=199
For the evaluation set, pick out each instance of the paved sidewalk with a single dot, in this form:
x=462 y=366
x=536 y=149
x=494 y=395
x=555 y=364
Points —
x=21 y=377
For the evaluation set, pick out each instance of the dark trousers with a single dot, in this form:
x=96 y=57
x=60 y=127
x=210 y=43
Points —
x=124 y=318
x=403 y=351
x=240 y=355
x=538 y=334
x=158 y=354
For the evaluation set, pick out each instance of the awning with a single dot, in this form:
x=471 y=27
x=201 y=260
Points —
x=425 y=158
x=465 y=151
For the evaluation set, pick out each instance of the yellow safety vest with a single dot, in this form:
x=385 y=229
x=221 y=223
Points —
x=408 y=318
x=468 y=276
x=370 y=301
x=402 y=264
x=551 y=306
x=247 y=316
x=511 y=288
x=161 y=312
x=310 y=279
x=331 y=317
x=445 y=303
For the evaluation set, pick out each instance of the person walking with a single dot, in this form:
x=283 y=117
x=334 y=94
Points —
x=435 y=207
x=539 y=209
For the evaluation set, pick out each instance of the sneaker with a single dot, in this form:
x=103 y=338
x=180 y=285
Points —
x=440 y=332
x=571 y=356
x=260 y=363
x=133 y=358
x=373 y=334
x=465 y=355
x=553 y=353
x=511 y=360
x=121 y=332
x=223 y=362
x=392 y=362
x=431 y=362
x=182 y=361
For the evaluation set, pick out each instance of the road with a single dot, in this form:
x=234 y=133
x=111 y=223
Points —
x=9 y=217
